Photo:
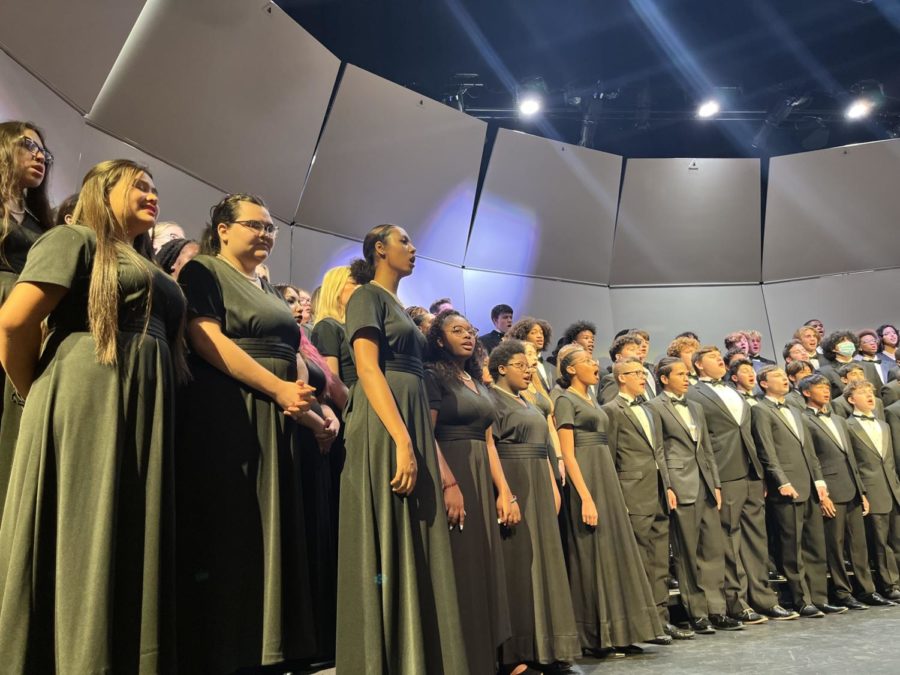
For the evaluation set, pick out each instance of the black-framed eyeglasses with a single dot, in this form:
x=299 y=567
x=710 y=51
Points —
x=518 y=365
x=459 y=330
x=261 y=227
x=634 y=372
x=35 y=149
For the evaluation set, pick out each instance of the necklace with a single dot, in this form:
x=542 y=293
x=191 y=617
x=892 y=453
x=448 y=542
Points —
x=464 y=376
x=503 y=391
x=390 y=293
x=580 y=395
x=253 y=278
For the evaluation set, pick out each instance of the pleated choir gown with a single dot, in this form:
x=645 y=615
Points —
x=463 y=417
x=86 y=544
x=613 y=602
x=244 y=597
x=397 y=603
x=543 y=621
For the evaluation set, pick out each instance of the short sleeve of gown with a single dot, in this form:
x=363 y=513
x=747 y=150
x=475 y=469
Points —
x=202 y=291
x=365 y=310
x=433 y=389
x=564 y=412
x=326 y=338
x=59 y=257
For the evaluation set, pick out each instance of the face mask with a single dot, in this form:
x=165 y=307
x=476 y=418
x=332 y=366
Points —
x=846 y=349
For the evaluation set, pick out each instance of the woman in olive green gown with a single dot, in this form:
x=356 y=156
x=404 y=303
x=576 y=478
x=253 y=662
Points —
x=86 y=546
x=397 y=606
x=543 y=620
x=24 y=216
x=613 y=603
x=244 y=596
x=462 y=411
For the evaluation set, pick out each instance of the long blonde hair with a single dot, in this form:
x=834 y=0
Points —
x=93 y=210
x=329 y=302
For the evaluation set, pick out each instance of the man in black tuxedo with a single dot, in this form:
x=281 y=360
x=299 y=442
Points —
x=852 y=372
x=795 y=490
x=755 y=345
x=502 y=318
x=637 y=449
x=743 y=504
x=838 y=349
x=874 y=451
x=697 y=534
x=796 y=371
x=627 y=346
x=846 y=503
x=742 y=376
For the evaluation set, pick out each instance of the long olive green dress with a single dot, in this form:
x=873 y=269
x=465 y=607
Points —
x=397 y=606
x=543 y=621
x=613 y=602
x=13 y=252
x=86 y=546
x=463 y=417
x=244 y=596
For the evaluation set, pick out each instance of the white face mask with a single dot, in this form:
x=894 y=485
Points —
x=846 y=348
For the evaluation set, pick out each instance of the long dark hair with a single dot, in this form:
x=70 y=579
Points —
x=35 y=199
x=439 y=359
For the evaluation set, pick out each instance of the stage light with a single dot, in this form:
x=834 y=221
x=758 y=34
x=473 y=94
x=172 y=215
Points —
x=708 y=109
x=859 y=109
x=530 y=105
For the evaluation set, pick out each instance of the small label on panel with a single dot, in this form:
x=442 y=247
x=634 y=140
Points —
x=693 y=166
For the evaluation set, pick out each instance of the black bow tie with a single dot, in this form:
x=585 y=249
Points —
x=869 y=418
x=716 y=383
x=747 y=396
x=640 y=400
x=679 y=401
x=779 y=406
x=822 y=413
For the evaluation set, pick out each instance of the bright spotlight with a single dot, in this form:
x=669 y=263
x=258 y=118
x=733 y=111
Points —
x=859 y=109
x=530 y=105
x=708 y=109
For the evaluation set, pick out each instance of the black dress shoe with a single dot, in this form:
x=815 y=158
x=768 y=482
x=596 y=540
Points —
x=722 y=622
x=875 y=600
x=811 y=612
x=832 y=609
x=892 y=594
x=702 y=626
x=601 y=653
x=677 y=633
x=779 y=613
x=851 y=603
x=561 y=668
x=749 y=617
x=632 y=650
x=672 y=583
x=660 y=640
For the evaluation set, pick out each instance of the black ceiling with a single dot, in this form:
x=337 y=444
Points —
x=672 y=53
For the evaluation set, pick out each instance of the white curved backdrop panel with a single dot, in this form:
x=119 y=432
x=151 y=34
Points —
x=546 y=209
x=390 y=155
x=832 y=211
x=232 y=91
x=687 y=221
x=69 y=44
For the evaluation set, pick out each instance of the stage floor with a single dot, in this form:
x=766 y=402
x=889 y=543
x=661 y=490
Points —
x=853 y=643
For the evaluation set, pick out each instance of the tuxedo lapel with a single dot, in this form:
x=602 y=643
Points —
x=626 y=407
x=669 y=407
x=781 y=419
x=841 y=443
x=856 y=428
x=710 y=393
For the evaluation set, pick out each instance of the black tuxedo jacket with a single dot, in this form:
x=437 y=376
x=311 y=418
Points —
x=838 y=461
x=640 y=461
x=787 y=457
x=732 y=441
x=490 y=340
x=795 y=399
x=608 y=388
x=830 y=368
x=890 y=393
x=690 y=462
x=878 y=473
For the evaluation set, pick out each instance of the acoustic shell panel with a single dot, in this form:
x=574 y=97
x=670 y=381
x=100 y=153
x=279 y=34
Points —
x=314 y=253
x=182 y=198
x=231 y=91
x=842 y=301
x=390 y=155
x=832 y=211
x=70 y=45
x=709 y=311
x=546 y=209
x=688 y=221
x=560 y=303
x=279 y=261
x=22 y=97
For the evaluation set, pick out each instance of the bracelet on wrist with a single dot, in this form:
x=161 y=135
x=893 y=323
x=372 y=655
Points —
x=450 y=485
x=513 y=499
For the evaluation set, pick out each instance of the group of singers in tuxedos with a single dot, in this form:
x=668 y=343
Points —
x=201 y=472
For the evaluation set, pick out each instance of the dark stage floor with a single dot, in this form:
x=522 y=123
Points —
x=853 y=643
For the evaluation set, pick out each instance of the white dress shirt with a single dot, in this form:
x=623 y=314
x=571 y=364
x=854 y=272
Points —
x=873 y=430
x=641 y=415
x=732 y=400
x=685 y=414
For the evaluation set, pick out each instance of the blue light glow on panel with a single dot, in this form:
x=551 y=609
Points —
x=506 y=236
x=443 y=232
